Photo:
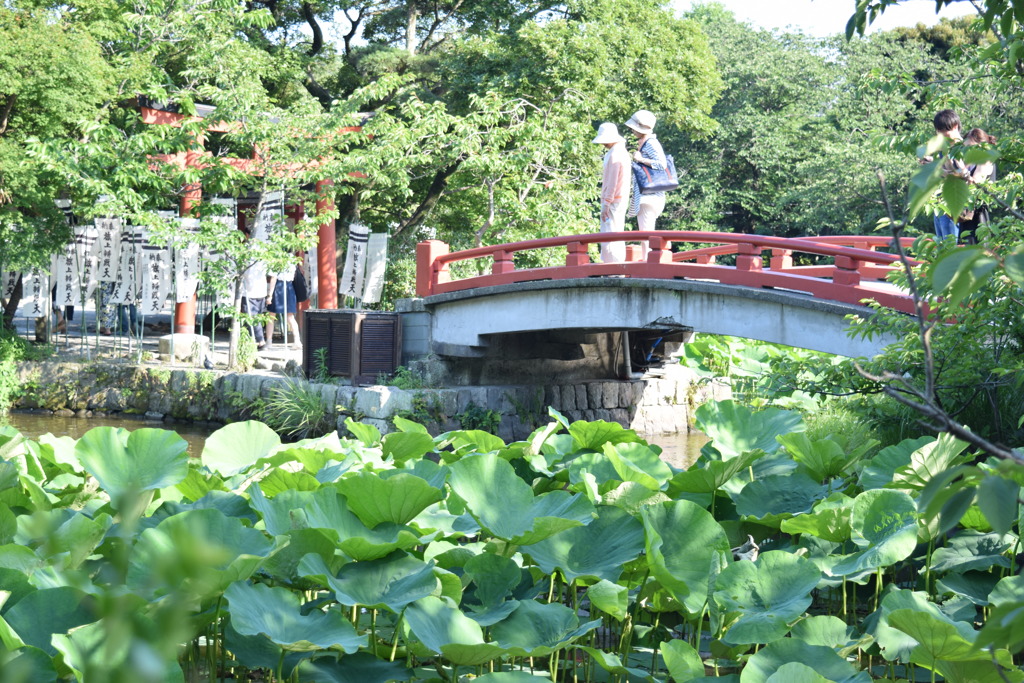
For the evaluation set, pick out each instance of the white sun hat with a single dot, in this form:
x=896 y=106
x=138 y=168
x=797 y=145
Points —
x=607 y=132
x=642 y=122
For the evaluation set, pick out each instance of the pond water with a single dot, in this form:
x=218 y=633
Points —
x=679 y=450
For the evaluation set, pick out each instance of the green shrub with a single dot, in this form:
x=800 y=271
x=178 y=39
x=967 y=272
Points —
x=296 y=410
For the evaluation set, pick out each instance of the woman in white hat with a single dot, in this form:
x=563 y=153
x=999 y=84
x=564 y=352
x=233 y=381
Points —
x=615 y=196
x=649 y=152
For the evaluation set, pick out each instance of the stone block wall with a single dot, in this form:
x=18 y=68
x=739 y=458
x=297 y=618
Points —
x=661 y=405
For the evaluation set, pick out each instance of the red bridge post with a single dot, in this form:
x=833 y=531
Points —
x=427 y=272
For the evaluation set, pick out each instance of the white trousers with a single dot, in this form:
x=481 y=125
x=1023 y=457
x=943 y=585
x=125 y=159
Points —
x=615 y=252
x=651 y=206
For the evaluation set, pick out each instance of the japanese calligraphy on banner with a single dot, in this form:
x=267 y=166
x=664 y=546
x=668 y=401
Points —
x=85 y=259
x=126 y=287
x=154 y=273
x=186 y=262
x=376 y=264
x=35 y=290
x=355 y=261
x=9 y=283
x=270 y=215
x=108 y=248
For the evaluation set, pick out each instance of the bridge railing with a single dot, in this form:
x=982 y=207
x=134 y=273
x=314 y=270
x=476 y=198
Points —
x=857 y=271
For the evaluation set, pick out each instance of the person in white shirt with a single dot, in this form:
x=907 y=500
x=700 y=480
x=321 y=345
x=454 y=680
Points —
x=254 y=298
x=649 y=152
x=615 y=185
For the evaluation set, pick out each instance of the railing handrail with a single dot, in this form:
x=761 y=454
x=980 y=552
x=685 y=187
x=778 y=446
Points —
x=840 y=281
x=801 y=244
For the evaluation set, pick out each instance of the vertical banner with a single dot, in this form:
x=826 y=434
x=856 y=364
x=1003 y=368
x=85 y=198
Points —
x=271 y=216
x=125 y=289
x=108 y=248
x=34 y=291
x=62 y=265
x=9 y=283
x=186 y=261
x=376 y=265
x=154 y=272
x=351 y=283
x=85 y=260
x=309 y=269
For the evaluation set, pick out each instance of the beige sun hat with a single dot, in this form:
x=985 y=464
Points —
x=642 y=122
x=607 y=132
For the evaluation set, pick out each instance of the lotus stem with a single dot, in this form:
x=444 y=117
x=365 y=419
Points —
x=394 y=642
x=278 y=676
x=654 y=650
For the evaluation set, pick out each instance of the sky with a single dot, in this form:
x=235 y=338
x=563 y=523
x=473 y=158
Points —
x=827 y=17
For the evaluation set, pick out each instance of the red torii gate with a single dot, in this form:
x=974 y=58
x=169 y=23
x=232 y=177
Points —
x=326 y=250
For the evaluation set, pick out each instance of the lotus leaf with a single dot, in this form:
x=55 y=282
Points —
x=823 y=458
x=592 y=436
x=759 y=600
x=1009 y=589
x=367 y=434
x=640 y=463
x=300 y=543
x=971 y=550
x=278 y=480
x=95 y=652
x=489 y=615
x=429 y=471
x=404 y=446
x=707 y=476
x=505 y=505
x=937 y=639
x=65 y=608
x=29 y=665
x=126 y=464
x=824 y=630
x=682 y=660
x=361 y=667
x=439 y=625
x=231 y=504
x=70 y=544
x=735 y=429
x=778 y=497
x=828 y=520
x=466 y=440
x=929 y=461
x=879 y=470
x=884 y=525
x=795 y=672
x=14 y=585
x=396 y=499
x=1004 y=627
x=510 y=677
x=997 y=498
x=257 y=609
x=598 y=550
x=979 y=671
x=685 y=546
x=199 y=552
x=197 y=483
x=611 y=663
x=327 y=509
x=894 y=643
x=494 y=577
x=535 y=629
x=610 y=598
x=975 y=586
x=631 y=497
x=235 y=447
x=260 y=651
x=824 y=660
x=393 y=582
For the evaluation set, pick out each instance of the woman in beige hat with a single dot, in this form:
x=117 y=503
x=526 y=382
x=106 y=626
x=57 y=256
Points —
x=649 y=152
x=615 y=195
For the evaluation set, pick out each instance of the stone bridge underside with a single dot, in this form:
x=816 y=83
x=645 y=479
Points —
x=462 y=322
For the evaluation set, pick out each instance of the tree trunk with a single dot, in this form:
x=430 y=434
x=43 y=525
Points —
x=412 y=14
x=11 y=306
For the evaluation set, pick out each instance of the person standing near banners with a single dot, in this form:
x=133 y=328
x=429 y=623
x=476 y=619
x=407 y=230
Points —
x=282 y=302
x=254 y=299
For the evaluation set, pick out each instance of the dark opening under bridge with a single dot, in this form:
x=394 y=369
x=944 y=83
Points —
x=477 y=294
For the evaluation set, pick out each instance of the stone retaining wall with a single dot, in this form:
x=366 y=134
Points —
x=650 y=406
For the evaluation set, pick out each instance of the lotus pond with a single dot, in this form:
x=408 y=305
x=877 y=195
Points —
x=576 y=555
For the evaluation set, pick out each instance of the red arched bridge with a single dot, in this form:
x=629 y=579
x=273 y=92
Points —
x=791 y=291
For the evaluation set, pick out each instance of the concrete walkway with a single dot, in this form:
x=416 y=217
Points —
x=80 y=342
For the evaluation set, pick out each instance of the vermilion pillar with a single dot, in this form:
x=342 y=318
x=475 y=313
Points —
x=326 y=248
x=185 y=312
